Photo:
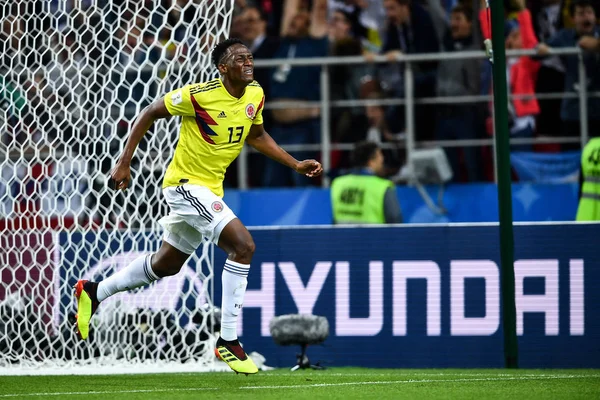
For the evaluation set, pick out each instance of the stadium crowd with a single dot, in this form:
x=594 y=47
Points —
x=59 y=36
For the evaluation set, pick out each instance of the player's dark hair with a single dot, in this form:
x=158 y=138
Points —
x=221 y=48
x=363 y=152
x=582 y=4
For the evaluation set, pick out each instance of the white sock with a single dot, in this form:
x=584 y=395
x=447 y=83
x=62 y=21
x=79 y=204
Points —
x=136 y=274
x=234 y=284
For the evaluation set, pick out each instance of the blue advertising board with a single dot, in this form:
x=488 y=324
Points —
x=399 y=296
x=477 y=202
x=427 y=296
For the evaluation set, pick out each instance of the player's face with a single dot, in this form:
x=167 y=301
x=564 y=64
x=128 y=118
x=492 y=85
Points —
x=240 y=64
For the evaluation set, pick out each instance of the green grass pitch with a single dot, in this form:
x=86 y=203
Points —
x=334 y=383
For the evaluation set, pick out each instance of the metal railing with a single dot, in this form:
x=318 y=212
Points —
x=409 y=102
x=325 y=146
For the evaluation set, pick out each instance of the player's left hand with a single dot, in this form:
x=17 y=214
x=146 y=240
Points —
x=310 y=168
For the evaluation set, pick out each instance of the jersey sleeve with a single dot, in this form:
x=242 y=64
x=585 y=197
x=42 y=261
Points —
x=258 y=120
x=179 y=102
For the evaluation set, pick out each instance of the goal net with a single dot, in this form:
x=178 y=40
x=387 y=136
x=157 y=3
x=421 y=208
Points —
x=73 y=76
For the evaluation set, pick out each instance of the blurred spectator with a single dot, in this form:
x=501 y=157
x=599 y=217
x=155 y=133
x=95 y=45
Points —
x=165 y=44
x=438 y=16
x=566 y=15
x=235 y=30
x=551 y=76
x=379 y=132
x=12 y=30
x=340 y=27
x=12 y=102
x=63 y=191
x=410 y=30
x=274 y=11
x=239 y=6
x=585 y=34
x=139 y=50
x=254 y=34
x=367 y=19
x=363 y=196
x=253 y=30
x=12 y=105
x=345 y=80
x=304 y=34
x=34 y=44
x=522 y=75
x=448 y=5
x=125 y=72
x=65 y=68
x=459 y=78
x=352 y=10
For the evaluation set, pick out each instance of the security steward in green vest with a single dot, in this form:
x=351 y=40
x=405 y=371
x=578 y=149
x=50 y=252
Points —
x=362 y=197
x=589 y=188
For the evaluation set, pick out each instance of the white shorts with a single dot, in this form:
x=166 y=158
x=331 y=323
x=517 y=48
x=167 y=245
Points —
x=196 y=212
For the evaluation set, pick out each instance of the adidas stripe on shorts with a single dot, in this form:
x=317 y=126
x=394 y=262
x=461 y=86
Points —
x=196 y=212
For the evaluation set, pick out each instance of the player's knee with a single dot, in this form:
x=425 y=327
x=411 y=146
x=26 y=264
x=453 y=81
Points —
x=165 y=266
x=244 y=250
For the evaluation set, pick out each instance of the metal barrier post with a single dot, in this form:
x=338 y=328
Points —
x=583 y=111
x=325 y=139
x=409 y=111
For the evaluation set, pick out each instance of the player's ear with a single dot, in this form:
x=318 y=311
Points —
x=222 y=69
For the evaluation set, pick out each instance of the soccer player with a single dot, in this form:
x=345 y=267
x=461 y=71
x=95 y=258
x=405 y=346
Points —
x=218 y=116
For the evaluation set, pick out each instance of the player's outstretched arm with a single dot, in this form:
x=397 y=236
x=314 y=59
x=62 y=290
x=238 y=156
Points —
x=263 y=142
x=121 y=173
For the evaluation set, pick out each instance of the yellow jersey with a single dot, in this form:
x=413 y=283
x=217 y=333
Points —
x=214 y=126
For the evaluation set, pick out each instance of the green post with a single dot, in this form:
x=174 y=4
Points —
x=509 y=314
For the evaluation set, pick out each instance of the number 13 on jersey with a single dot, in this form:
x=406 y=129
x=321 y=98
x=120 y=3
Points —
x=235 y=134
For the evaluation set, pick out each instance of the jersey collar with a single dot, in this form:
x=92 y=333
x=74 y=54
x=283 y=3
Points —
x=229 y=94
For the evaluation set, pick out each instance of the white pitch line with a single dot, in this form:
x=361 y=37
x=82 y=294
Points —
x=106 y=392
x=314 y=385
x=408 y=374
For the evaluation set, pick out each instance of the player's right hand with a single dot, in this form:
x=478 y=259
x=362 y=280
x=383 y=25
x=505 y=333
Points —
x=120 y=176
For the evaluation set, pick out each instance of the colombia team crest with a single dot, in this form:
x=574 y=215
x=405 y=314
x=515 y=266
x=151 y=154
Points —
x=250 y=111
x=217 y=206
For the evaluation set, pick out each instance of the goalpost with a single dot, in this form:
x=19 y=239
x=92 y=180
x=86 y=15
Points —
x=73 y=76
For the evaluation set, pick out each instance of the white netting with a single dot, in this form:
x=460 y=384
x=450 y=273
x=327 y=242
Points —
x=73 y=75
